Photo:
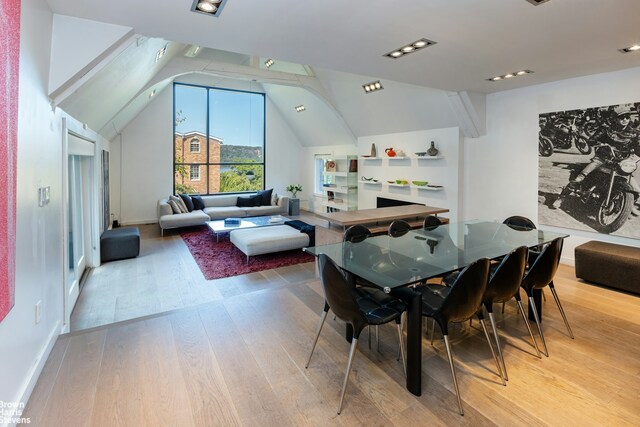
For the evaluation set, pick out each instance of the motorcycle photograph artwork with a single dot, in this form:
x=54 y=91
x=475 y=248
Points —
x=588 y=169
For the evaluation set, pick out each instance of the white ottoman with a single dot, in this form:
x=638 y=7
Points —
x=266 y=240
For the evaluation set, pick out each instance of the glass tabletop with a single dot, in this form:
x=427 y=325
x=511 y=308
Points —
x=220 y=226
x=390 y=262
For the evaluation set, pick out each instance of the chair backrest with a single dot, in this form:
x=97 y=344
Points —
x=466 y=293
x=506 y=279
x=431 y=222
x=519 y=222
x=356 y=233
x=399 y=228
x=338 y=293
x=544 y=267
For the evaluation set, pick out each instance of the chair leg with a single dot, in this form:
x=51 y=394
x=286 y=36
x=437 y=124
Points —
x=493 y=353
x=532 y=303
x=404 y=359
x=495 y=333
x=378 y=338
x=564 y=317
x=369 y=336
x=354 y=344
x=526 y=322
x=503 y=307
x=453 y=373
x=313 y=347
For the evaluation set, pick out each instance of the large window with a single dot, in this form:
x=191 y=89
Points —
x=219 y=140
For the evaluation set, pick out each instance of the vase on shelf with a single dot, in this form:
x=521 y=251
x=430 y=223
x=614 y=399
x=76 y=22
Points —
x=432 y=151
x=374 y=152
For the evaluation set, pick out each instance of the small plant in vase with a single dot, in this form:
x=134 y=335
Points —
x=293 y=189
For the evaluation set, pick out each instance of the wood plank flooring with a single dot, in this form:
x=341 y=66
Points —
x=235 y=355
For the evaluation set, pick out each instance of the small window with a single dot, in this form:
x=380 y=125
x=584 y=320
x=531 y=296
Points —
x=194 y=173
x=195 y=145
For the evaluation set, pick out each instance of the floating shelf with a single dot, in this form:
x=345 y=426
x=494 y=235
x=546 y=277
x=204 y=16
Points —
x=398 y=185
x=370 y=182
x=399 y=158
x=370 y=158
x=427 y=188
x=429 y=157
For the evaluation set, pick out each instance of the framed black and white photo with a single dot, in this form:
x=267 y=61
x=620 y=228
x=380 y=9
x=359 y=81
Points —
x=588 y=169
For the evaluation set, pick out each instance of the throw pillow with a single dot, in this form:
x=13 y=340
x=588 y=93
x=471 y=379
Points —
x=265 y=197
x=174 y=207
x=180 y=203
x=198 y=203
x=245 y=202
x=187 y=201
x=274 y=199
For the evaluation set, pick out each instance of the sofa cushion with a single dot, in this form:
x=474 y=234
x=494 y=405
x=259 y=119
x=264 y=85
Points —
x=198 y=203
x=247 y=202
x=174 y=207
x=180 y=203
x=220 y=200
x=186 y=199
x=265 y=197
x=222 y=212
x=262 y=210
x=195 y=217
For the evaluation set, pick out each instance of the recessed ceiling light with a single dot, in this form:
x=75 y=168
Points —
x=409 y=48
x=372 y=87
x=208 y=7
x=537 y=2
x=300 y=108
x=633 y=48
x=268 y=63
x=510 y=75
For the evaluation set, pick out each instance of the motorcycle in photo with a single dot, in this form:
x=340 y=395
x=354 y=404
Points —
x=607 y=192
x=561 y=133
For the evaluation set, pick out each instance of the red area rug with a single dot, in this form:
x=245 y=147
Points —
x=223 y=259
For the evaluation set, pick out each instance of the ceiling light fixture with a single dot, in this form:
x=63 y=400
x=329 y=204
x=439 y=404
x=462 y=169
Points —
x=208 y=7
x=409 y=48
x=510 y=75
x=300 y=108
x=537 y=2
x=161 y=53
x=372 y=87
x=629 y=49
x=269 y=62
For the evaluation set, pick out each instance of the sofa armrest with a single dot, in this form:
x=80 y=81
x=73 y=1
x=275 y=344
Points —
x=283 y=204
x=164 y=208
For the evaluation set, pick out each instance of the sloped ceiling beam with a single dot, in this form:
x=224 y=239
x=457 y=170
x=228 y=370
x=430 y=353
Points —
x=470 y=111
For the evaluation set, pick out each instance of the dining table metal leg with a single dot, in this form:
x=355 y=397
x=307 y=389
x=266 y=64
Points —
x=537 y=298
x=414 y=344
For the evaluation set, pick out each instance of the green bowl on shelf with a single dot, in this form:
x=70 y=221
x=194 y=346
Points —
x=420 y=183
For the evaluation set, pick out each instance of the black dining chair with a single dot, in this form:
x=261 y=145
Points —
x=356 y=234
x=504 y=284
x=431 y=223
x=539 y=276
x=519 y=222
x=458 y=303
x=356 y=309
x=399 y=228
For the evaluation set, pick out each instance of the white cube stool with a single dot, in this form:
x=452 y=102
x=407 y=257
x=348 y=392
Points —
x=266 y=240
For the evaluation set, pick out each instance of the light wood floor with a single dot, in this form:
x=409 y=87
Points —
x=239 y=360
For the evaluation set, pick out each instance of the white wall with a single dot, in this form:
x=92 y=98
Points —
x=501 y=168
x=142 y=154
x=445 y=172
x=24 y=345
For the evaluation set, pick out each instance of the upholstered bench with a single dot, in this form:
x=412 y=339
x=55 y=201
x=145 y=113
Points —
x=609 y=264
x=266 y=240
x=119 y=243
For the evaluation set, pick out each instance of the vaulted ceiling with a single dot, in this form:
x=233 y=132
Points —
x=341 y=45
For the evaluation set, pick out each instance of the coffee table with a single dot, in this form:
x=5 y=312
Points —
x=218 y=227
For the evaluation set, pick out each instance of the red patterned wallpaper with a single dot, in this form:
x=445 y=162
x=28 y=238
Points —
x=9 y=56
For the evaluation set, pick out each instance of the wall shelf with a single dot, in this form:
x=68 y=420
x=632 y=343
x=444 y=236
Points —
x=340 y=191
x=370 y=182
x=398 y=185
x=427 y=188
x=430 y=157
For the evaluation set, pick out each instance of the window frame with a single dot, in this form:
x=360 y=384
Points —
x=208 y=135
x=191 y=169
x=191 y=144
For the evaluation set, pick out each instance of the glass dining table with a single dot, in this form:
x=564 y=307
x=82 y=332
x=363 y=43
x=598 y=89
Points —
x=395 y=263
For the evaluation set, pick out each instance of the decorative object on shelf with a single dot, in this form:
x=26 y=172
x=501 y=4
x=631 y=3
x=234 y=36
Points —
x=400 y=153
x=390 y=152
x=420 y=183
x=374 y=152
x=402 y=181
x=364 y=178
x=432 y=151
x=391 y=182
x=353 y=165
x=330 y=166
x=434 y=186
x=421 y=154
x=294 y=188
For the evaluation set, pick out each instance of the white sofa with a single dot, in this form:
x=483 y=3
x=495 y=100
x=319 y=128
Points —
x=216 y=207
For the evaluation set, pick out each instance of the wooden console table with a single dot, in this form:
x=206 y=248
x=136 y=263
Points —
x=374 y=217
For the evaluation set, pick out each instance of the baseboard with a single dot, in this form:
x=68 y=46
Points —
x=139 y=222
x=568 y=261
x=35 y=372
